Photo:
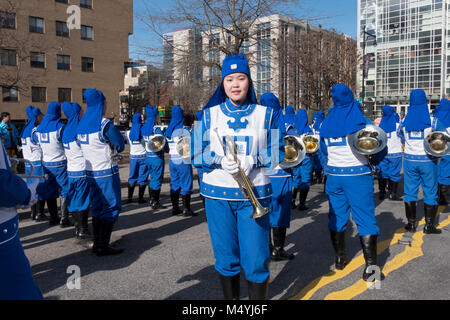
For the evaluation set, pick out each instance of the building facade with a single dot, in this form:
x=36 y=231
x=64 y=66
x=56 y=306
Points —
x=56 y=49
x=405 y=43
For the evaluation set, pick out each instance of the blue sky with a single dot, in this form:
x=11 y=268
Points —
x=338 y=14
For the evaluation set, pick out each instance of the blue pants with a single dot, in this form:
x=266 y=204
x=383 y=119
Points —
x=444 y=171
x=390 y=168
x=280 y=209
x=238 y=240
x=78 y=198
x=16 y=279
x=352 y=194
x=418 y=173
x=155 y=167
x=41 y=188
x=302 y=174
x=105 y=195
x=57 y=180
x=180 y=177
x=138 y=172
x=317 y=166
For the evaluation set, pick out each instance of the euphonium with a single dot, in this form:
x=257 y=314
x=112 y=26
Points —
x=437 y=144
x=294 y=152
x=155 y=143
x=15 y=162
x=368 y=141
x=312 y=143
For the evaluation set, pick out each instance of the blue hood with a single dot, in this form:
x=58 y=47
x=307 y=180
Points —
x=301 y=122
x=388 y=121
x=289 y=115
x=72 y=112
x=176 y=122
x=136 y=124
x=418 y=117
x=270 y=100
x=52 y=120
x=443 y=113
x=32 y=113
x=318 y=118
x=92 y=118
x=151 y=113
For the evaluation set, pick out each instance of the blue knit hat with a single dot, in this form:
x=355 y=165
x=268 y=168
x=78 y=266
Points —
x=235 y=64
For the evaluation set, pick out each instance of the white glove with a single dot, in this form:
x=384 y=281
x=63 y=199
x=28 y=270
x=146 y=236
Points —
x=247 y=164
x=32 y=186
x=229 y=166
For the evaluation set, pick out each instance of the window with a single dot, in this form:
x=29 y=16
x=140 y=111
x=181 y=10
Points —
x=86 y=4
x=61 y=29
x=64 y=94
x=87 y=64
x=36 y=25
x=38 y=94
x=87 y=33
x=7 y=20
x=62 y=1
x=37 y=60
x=9 y=57
x=63 y=62
x=10 y=94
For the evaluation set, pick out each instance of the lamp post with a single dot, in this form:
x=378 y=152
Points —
x=363 y=88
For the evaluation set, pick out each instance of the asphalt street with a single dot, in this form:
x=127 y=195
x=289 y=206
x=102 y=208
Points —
x=170 y=257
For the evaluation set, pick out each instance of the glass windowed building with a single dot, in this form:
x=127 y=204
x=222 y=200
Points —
x=408 y=50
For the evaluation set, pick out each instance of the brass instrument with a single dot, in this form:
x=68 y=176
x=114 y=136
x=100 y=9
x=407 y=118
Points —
x=155 y=143
x=368 y=141
x=258 y=210
x=184 y=147
x=437 y=144
x=15 y=162
x=294 y=152
x=312 y=143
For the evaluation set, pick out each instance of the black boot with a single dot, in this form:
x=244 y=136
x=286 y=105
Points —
x=382 y=188
x=187 y=212
x=258 y=291
x=278 y=253
x=303 y=195
x=34 y=210
x=231 y=287
x=130 y=192
x=96 y=224
x=410 y=210
x=155 y=197
x=84 y=225
x=442 y=193
x=338 y=241
x=175 y=199
x=52 y=206
x=393 y=190
x=76 y=216
x=103 y=248
x=430 y=216
x=369 y=247
x=318 y=177
x=294 y=197
x=141 y=194
x=65 y=220
x=40 y=211
x=324 y=183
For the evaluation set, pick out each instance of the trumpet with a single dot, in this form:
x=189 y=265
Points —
x=15 y=162
x=437 y=143
x=258 y=210
x=155 y=143
x=312 y=143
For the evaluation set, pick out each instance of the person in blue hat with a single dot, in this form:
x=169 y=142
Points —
x=420 y=168
x=238 y=241
x=16 y=279
x=282 y=181
x=49 y=134
x=302 y=173
x=78 y=197
x=138 y=174
x=9 y=134
x=318 y=118
x=389 y=169
x=443 y=115
x=100 y=141
x=350 y=181
x=154 y=160
x=181 y=175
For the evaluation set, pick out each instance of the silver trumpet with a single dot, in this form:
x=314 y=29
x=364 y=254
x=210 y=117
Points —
x=15 y=162
x=437 y=144
x=258 y=210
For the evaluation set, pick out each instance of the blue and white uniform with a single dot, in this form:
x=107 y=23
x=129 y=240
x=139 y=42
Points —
x=318 y=118
x=16 y=279
x=443 y=115
x=138 y=167
x=302 y=173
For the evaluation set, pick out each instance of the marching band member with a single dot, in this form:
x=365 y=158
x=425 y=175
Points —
x=16 y=279
x=281 y=180
x=78 y=198
x=443 y=115
x=138 y=167
x=419 y=168
x=350 y=180
x=99 y=139
x=318 y=119
x=237 y=239
x=49 y=134
x=180 y=171
x=33 y=152
x=302 y=173
x=155 y=160
x=289 y=120
x=391 y=166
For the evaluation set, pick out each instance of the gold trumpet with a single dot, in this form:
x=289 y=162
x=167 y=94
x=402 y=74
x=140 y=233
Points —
x=258 y=210
x=312 y=143
x=15 y=162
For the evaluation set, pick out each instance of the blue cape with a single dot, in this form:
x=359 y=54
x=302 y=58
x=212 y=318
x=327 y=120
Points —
x=319 y=117
x=443 y=113
x=52 y=120
x=151 y=113
x=176 y=122
x=301 y=122
x=136 y=124
x=388 y=121
x=270 y=100
x=72 y=112
x=92 y=119
x=32 y=113
x=418 y=117
x=345 y=117
x=289 y=115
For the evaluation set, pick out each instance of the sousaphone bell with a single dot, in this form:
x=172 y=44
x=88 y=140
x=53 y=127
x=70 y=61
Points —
x=294 y=152
x=155 y=143
x=368 y=141
x=437 y=144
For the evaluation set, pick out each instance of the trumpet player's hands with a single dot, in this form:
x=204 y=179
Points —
x=247 y=164
x=229 y=166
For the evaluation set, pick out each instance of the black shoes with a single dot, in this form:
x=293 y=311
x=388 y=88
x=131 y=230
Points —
x=382 y=188
x=187 y=212
x=369 y=247
x=430 y=216
x=231 y=286
x=52 y=206
x=303 y=195
x=338 y=241
x=294 y=197
x=442 y=193
x=175 y=199
x=154 y=199
x=277 y=249
x=258 y=291
x=81 y=224
x=40 y=206
x=102 y=237
x=393 y=190
x=141 y=194
x=130 y=193
x=65 y=220
x=410 y=210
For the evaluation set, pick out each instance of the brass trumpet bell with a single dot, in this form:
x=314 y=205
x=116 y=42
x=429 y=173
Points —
x=294 y=152
x=155 y=143
x=437 y=144
x=368 y=141
x=312 y=143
